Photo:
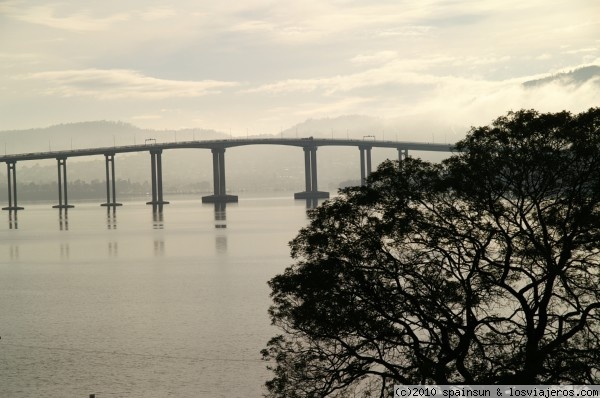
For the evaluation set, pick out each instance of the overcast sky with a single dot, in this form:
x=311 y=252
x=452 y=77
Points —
x=266 y=65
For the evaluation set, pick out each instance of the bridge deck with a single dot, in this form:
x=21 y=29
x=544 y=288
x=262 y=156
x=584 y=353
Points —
x=229 y=143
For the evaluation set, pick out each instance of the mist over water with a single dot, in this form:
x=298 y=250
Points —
x=135 y=304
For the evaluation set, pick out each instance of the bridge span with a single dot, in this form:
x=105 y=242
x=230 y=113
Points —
x=217 y=147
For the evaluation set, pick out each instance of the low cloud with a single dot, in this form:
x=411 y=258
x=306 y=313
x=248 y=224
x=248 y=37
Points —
x=157 y=13
x=390 y=73
x=119 y=83
x=47 y=15
x=459 y=104
x=375 y=58
x=429 y=103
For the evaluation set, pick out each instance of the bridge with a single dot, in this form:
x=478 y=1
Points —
x=217 y=147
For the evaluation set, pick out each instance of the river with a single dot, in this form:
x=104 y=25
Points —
x=134 y=304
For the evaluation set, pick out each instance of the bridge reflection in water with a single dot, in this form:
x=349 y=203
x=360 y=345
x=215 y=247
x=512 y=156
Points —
x=309 y=145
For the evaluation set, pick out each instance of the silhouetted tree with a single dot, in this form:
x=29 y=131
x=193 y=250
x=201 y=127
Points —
x=482 y=269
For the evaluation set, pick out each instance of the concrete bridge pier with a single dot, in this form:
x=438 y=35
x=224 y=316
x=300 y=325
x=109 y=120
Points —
x=11 y=174
x=62 y=185
x=402 y=153
x=111 y=191
x=157 y=187
x=365 y=169
x=220 y=191
x=310 y=176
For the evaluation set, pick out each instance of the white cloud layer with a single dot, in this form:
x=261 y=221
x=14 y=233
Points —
x=121 y=84
x=270 y=64
x=47 y=15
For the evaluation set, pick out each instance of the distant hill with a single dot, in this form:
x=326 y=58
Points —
x=346 y=126
x=91 y=134
x=576 y=77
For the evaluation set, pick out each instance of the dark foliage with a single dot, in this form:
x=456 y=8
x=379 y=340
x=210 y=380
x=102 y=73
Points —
x=482 y=269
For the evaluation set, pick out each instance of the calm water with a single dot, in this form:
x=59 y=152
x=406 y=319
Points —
x=133 y=305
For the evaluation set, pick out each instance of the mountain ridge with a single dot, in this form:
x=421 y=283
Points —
x=576 y=76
